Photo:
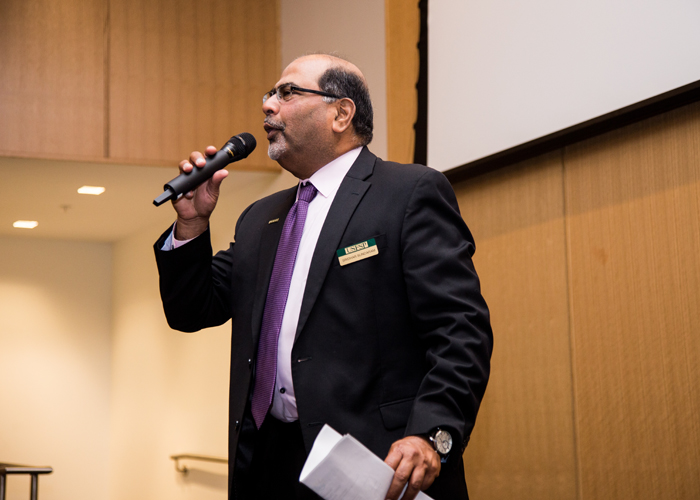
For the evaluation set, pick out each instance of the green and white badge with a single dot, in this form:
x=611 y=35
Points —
x=357 y=252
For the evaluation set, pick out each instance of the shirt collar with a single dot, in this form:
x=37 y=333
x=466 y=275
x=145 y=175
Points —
x=327 y=179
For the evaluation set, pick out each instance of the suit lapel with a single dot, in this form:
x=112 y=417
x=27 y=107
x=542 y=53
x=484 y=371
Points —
x=349 y=195
x=269 y=240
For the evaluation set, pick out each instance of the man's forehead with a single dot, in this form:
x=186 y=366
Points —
x=304 y=71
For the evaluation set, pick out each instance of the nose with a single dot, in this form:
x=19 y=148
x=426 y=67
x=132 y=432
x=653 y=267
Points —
x=271 y=106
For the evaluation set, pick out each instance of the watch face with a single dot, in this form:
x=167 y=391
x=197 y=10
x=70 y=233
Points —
x=443 y=442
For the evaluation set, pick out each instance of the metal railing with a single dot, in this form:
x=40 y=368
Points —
x=7 y=469
x=183 y=469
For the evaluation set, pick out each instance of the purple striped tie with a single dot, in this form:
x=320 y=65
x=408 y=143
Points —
x=277 y=292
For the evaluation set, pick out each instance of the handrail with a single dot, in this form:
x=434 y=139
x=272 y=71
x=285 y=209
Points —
x=6 y=469
x=184 y=469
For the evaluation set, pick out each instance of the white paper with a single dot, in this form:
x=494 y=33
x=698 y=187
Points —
x=341 y=468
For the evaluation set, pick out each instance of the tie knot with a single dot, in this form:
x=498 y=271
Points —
x=307 y=192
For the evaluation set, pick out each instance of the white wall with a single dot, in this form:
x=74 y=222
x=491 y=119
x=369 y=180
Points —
x=170 y=389
x=355 y=30
x=55 y=365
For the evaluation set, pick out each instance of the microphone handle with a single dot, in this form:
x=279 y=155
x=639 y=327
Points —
x=186 y=182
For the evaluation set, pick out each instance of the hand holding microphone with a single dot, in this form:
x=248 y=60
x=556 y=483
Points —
x=237 y=148
x=196 y=189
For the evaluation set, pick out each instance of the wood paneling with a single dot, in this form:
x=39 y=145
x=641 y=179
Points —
x=402 y=21
x=189 y=73
x=51 y=78
x=523 y=443
x=134 y=81
x=633 y=209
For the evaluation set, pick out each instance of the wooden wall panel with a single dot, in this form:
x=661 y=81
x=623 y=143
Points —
x=190 y=73
x=402 y=21
x=633 y=212
x=523 y=443
x=51 y=78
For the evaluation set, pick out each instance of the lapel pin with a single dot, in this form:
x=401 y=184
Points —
x=273 y=221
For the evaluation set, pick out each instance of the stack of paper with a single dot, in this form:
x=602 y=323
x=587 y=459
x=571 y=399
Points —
x=341 y=468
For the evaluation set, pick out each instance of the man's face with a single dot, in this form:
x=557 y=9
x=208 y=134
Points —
x=299 y=129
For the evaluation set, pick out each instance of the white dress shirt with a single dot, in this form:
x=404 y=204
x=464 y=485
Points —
x=327 y=181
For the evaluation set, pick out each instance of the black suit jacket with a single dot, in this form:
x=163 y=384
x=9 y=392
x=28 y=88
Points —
x=392 y=345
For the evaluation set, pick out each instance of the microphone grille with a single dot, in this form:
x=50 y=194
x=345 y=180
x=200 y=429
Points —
x=243 y=144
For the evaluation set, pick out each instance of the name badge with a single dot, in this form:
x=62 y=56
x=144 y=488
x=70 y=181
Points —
x=355 y=253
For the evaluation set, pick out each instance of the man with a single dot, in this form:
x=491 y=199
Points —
x=353 y=298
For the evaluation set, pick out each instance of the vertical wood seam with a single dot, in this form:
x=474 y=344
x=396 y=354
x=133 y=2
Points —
x=106 y=78
x=570 y=309
x=278 y=35
x=388 y=74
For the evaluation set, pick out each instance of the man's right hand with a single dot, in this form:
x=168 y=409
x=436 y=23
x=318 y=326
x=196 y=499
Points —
x=194 y=208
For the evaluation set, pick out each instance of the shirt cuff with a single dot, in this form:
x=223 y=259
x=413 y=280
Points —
x=171 y=243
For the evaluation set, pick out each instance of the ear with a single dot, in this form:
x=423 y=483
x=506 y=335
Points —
x=344 y=113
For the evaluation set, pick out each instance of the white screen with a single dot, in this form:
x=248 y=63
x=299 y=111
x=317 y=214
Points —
x=502 y=73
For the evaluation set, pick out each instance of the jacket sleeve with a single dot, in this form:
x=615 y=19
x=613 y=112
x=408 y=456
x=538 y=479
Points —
x=194 y=286
x=448 y=310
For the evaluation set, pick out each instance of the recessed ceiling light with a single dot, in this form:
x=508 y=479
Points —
x=26 y=224
x=91 y=190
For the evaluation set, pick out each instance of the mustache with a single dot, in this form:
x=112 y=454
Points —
x=273 y=124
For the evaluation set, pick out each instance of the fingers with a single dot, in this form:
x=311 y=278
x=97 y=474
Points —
x=197 y=158
x=407 y=479
x=415 y=484
x=185 y=166
x=218 y=178
x=201 y=201
x=416 y=466
x=393 y=459
x=213 y=185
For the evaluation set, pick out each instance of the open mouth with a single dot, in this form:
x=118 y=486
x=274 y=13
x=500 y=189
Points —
x=271 y=128
x=271 y=132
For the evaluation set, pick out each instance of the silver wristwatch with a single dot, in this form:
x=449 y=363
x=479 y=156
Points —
x=441 y=441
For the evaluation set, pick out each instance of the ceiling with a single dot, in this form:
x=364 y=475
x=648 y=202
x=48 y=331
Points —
x=46 y=191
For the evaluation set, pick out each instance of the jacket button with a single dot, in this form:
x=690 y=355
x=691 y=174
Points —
x=250 y=363
x=237 y=425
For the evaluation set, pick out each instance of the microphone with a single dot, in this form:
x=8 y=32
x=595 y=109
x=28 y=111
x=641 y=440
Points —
x=238 y=147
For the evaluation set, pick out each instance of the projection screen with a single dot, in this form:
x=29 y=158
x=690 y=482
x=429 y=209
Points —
x=505 y=72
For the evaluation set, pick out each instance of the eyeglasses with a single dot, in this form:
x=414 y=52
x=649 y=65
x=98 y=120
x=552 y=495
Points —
x=286 y=91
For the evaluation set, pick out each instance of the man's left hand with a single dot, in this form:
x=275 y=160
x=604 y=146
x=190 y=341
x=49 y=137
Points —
x=415 y=462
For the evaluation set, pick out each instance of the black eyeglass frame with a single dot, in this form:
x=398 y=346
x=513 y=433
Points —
x=294 y=88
